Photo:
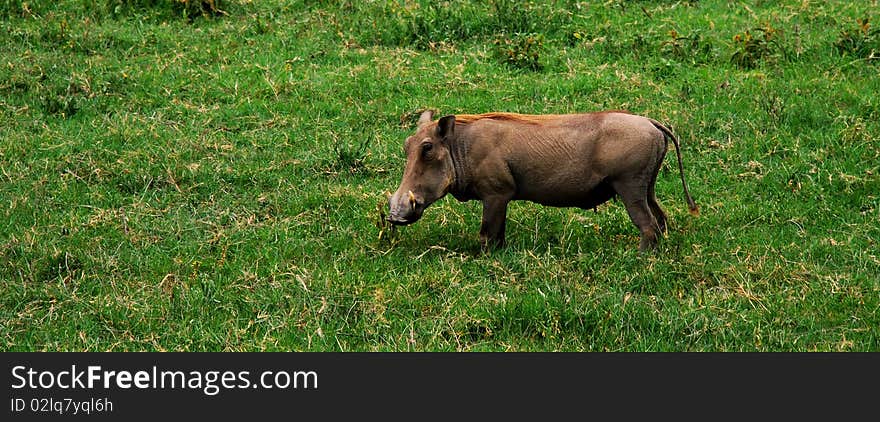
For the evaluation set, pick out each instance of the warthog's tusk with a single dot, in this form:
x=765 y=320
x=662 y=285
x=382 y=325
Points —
x=412 y=199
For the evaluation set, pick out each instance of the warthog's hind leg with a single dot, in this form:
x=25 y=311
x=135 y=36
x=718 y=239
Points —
x=635 y=199
x=658 y=213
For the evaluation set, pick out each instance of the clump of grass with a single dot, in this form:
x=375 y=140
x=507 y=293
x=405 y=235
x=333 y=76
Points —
x=514 y=16
x=61 y=98
x=692 y=48
x=388 y=235
x=752 y=49
x=348 y=157
x=862 y=41
x=63 y=106
x=609 y=40
x=62 y=265
x=189 y=9
x=520 y=51
x=423 y=25
x=14 y=8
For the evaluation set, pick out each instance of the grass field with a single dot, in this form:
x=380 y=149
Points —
x=179 y=176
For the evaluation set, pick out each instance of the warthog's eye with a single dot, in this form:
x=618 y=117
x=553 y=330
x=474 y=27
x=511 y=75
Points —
x=427 y=147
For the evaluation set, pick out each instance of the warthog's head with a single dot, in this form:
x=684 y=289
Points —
x=429 y=172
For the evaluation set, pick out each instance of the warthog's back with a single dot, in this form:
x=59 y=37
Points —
x=559 y=159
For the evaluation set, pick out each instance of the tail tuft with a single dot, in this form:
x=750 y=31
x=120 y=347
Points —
x=692 y=207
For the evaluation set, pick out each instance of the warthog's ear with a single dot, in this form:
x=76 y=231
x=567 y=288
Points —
x=426 y=117
x=446 y=126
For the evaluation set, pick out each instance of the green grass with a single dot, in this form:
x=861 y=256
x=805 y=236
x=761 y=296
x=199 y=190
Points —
x=177 y=178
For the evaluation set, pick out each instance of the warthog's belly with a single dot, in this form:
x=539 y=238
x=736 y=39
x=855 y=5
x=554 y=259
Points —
x=585 y=197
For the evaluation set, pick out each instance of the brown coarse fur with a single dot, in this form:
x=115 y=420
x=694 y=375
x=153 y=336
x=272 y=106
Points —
x=534 y=119
x=562 y=160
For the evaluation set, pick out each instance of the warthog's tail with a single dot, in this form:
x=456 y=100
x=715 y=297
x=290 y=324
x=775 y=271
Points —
x=694 y=209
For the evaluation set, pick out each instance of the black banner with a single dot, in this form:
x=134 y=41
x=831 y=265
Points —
x=440 y=385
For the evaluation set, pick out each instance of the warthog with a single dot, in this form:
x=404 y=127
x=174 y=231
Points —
x=571 y=160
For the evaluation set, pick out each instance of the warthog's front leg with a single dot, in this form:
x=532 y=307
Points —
x=494 y=221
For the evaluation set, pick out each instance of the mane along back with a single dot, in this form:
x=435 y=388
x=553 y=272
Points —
x=534 y=119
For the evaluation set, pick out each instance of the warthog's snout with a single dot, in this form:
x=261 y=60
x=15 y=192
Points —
x=398 y=221
x=404 y=208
